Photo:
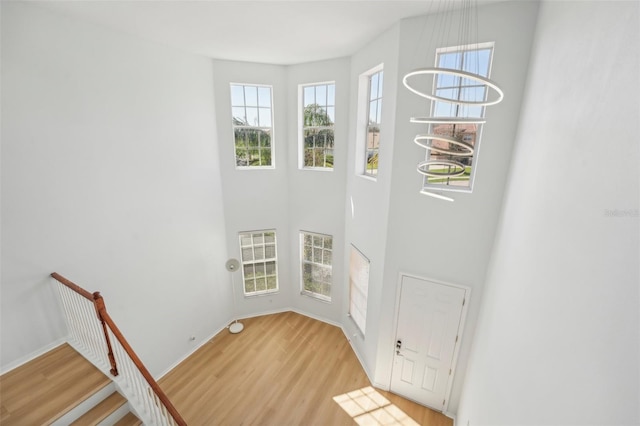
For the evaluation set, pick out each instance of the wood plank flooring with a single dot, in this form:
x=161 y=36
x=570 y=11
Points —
x=47 y=387
x=283 y=369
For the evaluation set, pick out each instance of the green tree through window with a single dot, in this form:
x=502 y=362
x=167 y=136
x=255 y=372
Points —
x=318 y=125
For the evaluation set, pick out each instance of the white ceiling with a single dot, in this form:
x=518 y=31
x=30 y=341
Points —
x=276 y=32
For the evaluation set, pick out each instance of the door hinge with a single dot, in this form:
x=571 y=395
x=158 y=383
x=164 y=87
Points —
x=443 y=401
x=449 y=371
x=463 y=300
x=456 y=339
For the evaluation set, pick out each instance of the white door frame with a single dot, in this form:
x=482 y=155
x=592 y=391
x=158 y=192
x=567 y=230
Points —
x=456 y=350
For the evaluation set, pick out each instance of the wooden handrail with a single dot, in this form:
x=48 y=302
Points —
x=107 y=321
x=73 y=286
x=143 y=370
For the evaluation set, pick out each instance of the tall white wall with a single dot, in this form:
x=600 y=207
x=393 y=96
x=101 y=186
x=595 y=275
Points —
x=367 y=200
x=284 y=198
x=557 y=339
x=110 y=177
x=316 y=198
x=437 y=239
x=255 y=199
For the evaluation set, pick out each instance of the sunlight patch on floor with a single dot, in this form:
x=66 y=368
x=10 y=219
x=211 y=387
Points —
x=368 y=407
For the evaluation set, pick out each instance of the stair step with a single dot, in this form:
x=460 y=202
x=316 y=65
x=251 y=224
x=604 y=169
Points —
x=101 y=411
x=44 y=389
x=129 y=420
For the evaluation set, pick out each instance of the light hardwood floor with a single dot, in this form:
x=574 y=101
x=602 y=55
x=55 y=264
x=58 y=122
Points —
x=284 y=369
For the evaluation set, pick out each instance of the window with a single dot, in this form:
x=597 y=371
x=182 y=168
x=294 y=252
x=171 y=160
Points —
x=318 y=117
x=316 y=258
x=374 y=114
x=476 y=60
x=252 y=125
x=358 y=287
x=259 y=272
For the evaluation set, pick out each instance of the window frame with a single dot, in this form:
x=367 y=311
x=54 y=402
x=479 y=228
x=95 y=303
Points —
x=359 y=318
x=314 y=264
x=378 y=101
x=362 y=123
x=490 y=46
x=264 y=260
x=270 y=130
x=302 y=127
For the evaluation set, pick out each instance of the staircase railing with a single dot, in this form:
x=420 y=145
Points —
x=97 y=337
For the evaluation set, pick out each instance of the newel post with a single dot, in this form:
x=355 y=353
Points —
x=98 y=302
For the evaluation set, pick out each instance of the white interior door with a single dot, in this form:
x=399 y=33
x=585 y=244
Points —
x=429 y=318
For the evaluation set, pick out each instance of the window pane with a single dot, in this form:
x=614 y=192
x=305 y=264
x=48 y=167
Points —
x=252 y=116
x=245 y=240
x=374 y=86
x=265 y=117
x=331 y=94
x=309 y=95
x=261 y=284
x=451 y=94
x=258 y=252
x=237 y=95
x=450 y=60
x=251 y=95
x=248 y=271
x=307 y=252
x=270 y=251
x=326 y=257
x=239 y=115
x=270 y=268
x=247 y=253
x=321 y=95
x=373 y=112
x=473 y=94
x=272 y=283
x=264 y=97
x=447 y=80
x=331 y=115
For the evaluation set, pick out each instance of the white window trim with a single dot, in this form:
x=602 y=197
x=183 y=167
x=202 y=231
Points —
x=301 y=165
x=362 y=123
x=303 y=291
x=253 y=262
x=272 y=128
x=476 y=156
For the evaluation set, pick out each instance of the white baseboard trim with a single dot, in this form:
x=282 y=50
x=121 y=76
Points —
x=355 y=351
x=316 y=317
x=33 y=355
x=191 y=352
